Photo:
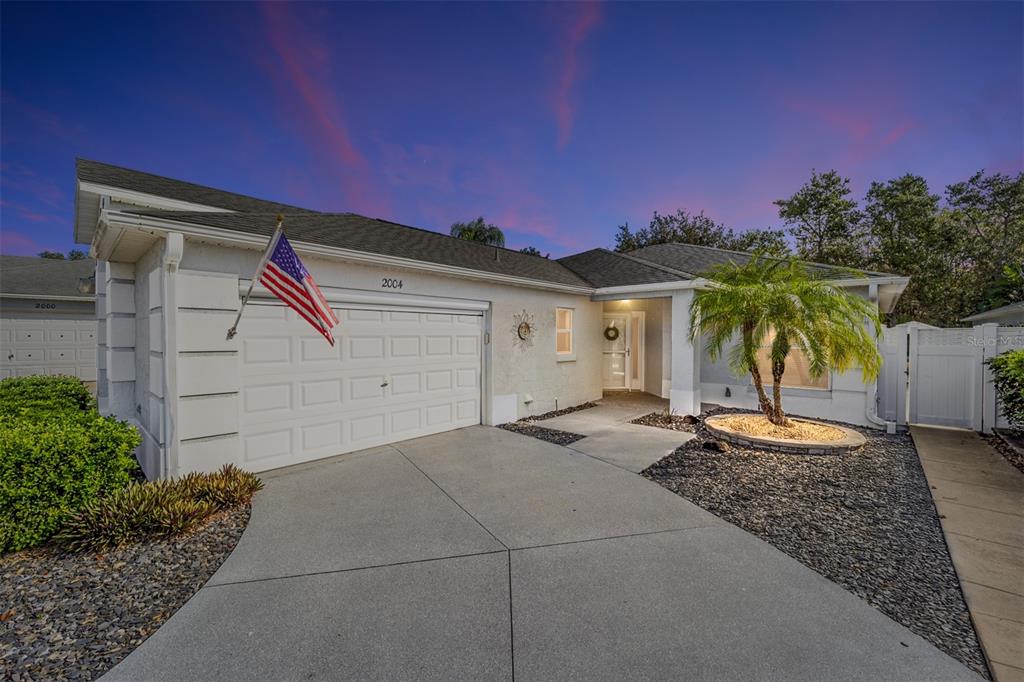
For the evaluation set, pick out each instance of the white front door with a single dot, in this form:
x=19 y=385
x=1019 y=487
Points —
x=392 y=375
x=616 y=351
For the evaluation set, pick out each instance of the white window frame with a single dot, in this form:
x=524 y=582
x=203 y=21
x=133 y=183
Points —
x=571 y=355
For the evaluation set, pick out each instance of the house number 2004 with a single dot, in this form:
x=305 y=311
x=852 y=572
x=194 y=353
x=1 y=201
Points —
x=388 y=283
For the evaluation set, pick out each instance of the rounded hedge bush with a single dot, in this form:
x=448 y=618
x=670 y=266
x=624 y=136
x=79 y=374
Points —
x=35 y=396
x=56 y=453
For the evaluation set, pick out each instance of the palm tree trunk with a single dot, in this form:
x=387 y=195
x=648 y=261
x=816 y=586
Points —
x=778 y=417
x=763 y=403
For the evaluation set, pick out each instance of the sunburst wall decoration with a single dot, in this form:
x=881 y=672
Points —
x=523 y=329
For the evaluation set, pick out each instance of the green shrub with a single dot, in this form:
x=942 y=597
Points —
x=1008 y=376
x=36 y=396
x=226 y=488
x=141 y=510
x=51 y=466
x=157 y=509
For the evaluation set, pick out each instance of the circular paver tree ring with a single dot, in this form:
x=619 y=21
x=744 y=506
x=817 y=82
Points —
x=852 y=440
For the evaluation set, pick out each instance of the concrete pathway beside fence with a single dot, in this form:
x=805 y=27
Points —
x=980 y=500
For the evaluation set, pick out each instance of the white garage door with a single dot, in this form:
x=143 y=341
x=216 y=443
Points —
x=34 y=345
x=392 y=375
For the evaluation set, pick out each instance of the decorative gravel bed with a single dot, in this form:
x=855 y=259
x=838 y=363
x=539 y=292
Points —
x=665 y=420
x=73 y=616
x=550 y=435
x=1009 y=444
x=559 y=413
x=865 y=520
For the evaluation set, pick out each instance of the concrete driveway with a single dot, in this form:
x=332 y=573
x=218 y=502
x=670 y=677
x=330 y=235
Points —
x=480 y=553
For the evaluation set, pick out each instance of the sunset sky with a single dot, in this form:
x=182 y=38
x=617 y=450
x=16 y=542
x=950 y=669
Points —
x=557 y=122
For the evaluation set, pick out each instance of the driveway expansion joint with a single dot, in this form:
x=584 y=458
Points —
x=448 y=495
x=354 y=569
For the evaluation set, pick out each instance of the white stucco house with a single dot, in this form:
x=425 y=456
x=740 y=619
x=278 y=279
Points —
x=47 y=317
x=431 y=335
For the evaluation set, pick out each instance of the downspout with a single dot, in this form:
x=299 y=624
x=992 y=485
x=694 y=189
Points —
x=173 y=248
x=871 y=396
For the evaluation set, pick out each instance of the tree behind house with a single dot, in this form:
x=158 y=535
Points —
x=698 y=229
x=824 y=221
x=478 y=231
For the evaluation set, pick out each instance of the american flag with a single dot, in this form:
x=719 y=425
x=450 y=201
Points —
x=288 y=279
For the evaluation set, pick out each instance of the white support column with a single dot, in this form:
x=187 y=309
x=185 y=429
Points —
x=120 y=339
x=989 y=335
x=685 y=393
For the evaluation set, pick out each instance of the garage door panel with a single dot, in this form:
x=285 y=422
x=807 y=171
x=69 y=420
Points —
x=274 y=350
x=429 y=361
x=266 y=398
x=319 y=393
x=28 y=335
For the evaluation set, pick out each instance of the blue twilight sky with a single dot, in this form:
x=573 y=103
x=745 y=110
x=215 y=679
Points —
x=556 y=121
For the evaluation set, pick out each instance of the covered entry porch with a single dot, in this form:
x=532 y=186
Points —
x=646 y=346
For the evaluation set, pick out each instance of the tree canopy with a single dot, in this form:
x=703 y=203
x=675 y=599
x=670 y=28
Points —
x=683 y=227
x=963 y=249
x=478 y=230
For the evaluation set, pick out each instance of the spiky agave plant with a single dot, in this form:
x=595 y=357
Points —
x=775 y=302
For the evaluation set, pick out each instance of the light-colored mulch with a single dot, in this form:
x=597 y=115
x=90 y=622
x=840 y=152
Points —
x=758 y=425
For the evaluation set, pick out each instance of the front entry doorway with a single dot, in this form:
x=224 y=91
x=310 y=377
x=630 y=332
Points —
x=623 y=351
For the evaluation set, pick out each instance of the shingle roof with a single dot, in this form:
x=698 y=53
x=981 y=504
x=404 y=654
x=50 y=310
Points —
x=604 y=268
x=372 y=235
x=169 y=188
x=697 y=259
x=44 y=276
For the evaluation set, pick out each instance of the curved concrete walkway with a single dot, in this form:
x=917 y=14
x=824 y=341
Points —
x=483 y=554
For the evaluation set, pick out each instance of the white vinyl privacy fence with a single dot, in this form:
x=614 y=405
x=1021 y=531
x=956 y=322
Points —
x=938 y=376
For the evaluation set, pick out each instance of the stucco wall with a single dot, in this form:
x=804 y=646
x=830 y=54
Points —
x=511 y=371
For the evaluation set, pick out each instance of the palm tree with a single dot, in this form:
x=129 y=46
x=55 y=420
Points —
x=775 y=302
x=478 y=231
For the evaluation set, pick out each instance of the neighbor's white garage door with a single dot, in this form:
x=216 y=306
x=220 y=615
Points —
x=36 y=345
x=392 y=375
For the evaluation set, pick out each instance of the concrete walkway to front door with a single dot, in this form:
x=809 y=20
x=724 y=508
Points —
x=980 y=500
x=481 y=554
x=611 y=438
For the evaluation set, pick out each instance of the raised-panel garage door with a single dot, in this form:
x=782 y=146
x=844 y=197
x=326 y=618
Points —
x=37 y=345
x=392 y=375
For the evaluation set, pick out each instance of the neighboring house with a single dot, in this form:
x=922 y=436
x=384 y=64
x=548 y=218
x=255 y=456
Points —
x=436 y=333
x=47 y=317
x=1010 y=315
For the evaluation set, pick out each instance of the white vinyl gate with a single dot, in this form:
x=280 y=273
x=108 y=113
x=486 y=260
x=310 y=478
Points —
x=938 y=376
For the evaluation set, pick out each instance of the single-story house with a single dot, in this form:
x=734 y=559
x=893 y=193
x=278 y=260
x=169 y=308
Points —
x=436 y=333
x=1010 y=315
x=47 y=317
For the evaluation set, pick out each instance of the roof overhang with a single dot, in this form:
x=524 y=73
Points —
x=115 y=225
x=92 y=198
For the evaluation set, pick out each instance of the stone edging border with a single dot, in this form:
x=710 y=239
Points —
x=852 y=441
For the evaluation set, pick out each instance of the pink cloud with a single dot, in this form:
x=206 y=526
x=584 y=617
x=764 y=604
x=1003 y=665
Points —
x=18 y=244
x=30 y=214
x=585 y=18
x=302 y=69
x=21 y=178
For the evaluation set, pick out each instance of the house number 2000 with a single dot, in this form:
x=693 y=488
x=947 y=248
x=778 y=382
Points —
x=387 y=283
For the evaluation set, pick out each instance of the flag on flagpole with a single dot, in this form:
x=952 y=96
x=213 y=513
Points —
x=288 y=279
